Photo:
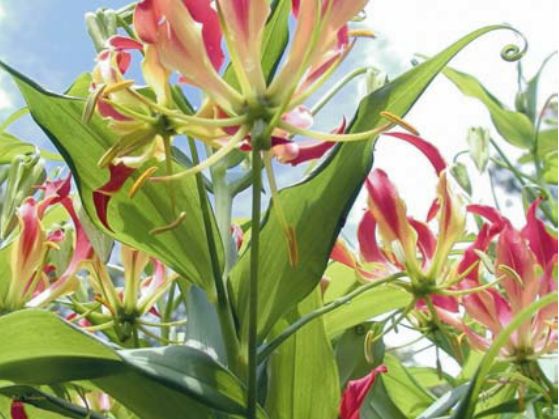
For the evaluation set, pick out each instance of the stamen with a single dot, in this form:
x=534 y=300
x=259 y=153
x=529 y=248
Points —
x=399 y=121
x=362 y=33
x=117 y=87
x=100 y=327
x=91 y=103
x=336 y=138
x=513 y=273
x=52 y=245
x=171 y=226
x=459 y=293
x=210 y=161
x=141 y=180
x=288 y=230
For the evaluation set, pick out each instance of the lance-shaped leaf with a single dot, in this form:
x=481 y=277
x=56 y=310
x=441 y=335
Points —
x=158 y=383
x=316 y=217
x=301 y=362
x=514 y=127
x=182 y=248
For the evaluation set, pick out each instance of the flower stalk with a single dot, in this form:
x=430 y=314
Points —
x=259 y=142
x=223 y=306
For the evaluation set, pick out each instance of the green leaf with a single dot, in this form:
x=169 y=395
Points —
x=514 y=127
x=350 y=353
x=366 y=306
x=182 y=248
x=191 y=372
x=378 y=404
x=316 y=217
x=467 y=406
x=42 y=349
x=32 y=412
x=47 y=404
x=403 y=389
x=550 y=168
x=11 y=146
x=444 y=403
x=153 y=383
x=429 y=377
x=296 y=367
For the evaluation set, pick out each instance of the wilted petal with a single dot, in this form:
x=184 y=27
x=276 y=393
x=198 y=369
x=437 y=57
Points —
x=355 y=393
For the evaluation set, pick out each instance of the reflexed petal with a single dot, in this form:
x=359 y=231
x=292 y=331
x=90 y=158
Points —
x=355 y=393
x=452 y=221
x=366 y=234
x=425 y=239
x=245 y=21
x=101 y=197
x=389 y=210
x=341 y=253
x=299 y=152
x=82 y=251
x=513 y=252
x=428 y=149
x=156 y=76
x=470 y=257
x=542 y=243
x=491 y=214
x=17 y=410
x=445 y=302
x=124 y=43
x=28 y=251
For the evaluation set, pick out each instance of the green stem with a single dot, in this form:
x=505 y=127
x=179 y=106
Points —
x=223 y=208
x=520 y=177
x=336 y=88
x=267 y=349
x=253 y=284
x=168 y=311
x=224 y=313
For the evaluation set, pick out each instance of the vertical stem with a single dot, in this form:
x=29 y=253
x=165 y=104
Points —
x=253 y=284
x=223 y=307
x=168 y=310
x=223 y=207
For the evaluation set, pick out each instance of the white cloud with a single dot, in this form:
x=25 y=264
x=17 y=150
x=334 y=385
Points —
x=6 y=101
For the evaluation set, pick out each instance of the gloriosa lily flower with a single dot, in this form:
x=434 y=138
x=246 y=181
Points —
x=407 y=244
x=123 y=307
x=526 y=260
x=33 y=281
x=355 y=393
x=185 y=37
